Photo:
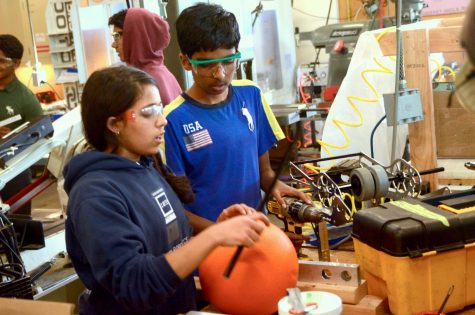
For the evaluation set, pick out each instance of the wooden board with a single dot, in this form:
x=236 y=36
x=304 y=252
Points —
x=457 y=182
x=349 y=295
x=422 y=133
x=352 y=10
x=454 y=128
x=443 y=39
x=369 y=305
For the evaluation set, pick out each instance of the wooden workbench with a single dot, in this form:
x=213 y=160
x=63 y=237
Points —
x=368 y=304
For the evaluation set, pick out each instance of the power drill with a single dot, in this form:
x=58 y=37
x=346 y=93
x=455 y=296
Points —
x=296 y=213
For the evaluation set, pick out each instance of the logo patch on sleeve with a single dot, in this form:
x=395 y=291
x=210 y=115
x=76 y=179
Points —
x=197 y=140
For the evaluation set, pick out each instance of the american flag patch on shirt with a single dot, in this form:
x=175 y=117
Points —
x=197 y=140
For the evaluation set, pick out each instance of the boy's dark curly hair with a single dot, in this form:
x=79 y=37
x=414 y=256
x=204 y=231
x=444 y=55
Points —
x=206 y=27
x=118 y=19
x=11 y=46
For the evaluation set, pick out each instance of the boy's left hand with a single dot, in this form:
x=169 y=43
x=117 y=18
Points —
x=281 y=190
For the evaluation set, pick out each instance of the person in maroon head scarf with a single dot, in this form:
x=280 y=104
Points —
x=140 y=36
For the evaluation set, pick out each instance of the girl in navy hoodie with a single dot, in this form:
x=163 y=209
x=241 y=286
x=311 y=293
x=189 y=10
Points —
x=126 y=232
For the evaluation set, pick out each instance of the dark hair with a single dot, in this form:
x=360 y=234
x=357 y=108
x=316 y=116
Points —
x=107 y=93
x=118 y=19
x=11 y=46
x=180 y=184
x=206 y=27
x=110 y=92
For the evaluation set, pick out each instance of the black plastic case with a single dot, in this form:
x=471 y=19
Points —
x=399 y=232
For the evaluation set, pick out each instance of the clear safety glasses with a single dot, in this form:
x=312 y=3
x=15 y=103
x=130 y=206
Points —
x=209 y=67
x=5 y=61
x=150 y=111
x=116 y=36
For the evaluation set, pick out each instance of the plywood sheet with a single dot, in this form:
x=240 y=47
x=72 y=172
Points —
x=454 y=128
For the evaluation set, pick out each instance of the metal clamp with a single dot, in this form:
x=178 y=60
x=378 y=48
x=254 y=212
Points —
x=329 y=273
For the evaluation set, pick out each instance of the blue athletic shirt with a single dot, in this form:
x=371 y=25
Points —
x=218 y=146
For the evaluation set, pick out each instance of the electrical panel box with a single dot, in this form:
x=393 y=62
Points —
x=409 y=107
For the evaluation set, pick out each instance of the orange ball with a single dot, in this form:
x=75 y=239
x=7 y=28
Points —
x=259 y=279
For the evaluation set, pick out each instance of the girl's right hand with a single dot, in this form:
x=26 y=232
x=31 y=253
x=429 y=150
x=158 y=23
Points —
x=239 y=230
x=235 y=210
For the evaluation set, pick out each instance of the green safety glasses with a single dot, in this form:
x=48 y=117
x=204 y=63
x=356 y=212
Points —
x=209 y=67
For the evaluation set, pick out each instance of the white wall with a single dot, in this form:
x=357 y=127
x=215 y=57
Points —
x=287 y=93
x=307 y=16
x=14 y=20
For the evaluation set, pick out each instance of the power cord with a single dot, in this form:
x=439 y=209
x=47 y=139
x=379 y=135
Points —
x=10 y=244
x=372 y=135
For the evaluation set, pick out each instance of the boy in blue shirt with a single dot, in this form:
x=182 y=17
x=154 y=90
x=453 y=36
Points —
x=219 y=131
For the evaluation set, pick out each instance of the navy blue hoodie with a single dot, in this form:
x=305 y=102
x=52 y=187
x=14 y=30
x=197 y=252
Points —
x=122 y=218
